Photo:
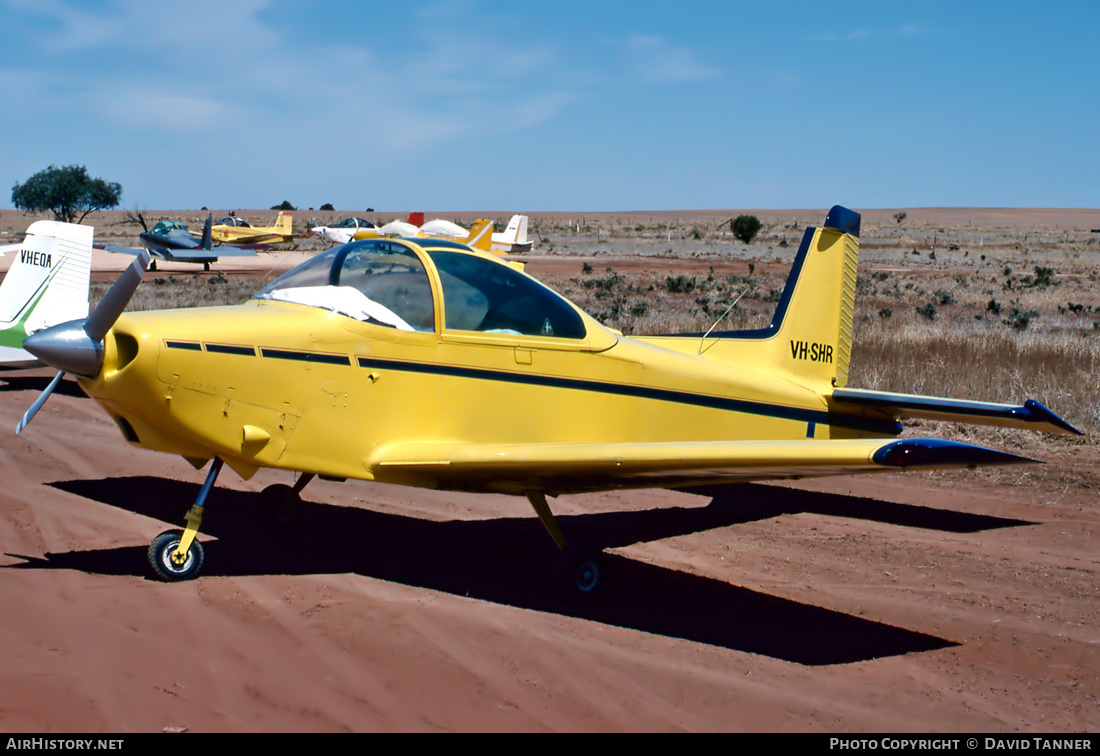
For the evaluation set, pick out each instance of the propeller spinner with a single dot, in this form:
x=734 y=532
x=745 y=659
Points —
x=77 y=346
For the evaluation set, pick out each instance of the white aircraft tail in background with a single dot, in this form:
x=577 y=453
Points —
x=514 y=238
x=46 y=284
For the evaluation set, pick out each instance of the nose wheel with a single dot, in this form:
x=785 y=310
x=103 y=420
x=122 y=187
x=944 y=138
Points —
x=170 y=565
x=175 y=555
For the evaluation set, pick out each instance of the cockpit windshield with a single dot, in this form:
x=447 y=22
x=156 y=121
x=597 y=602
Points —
x=375 y=281
x=482 y=295
x=384 y=282
x=162 y=228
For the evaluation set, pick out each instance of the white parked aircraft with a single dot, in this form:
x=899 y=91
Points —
x=342 y=231
x=512 y=240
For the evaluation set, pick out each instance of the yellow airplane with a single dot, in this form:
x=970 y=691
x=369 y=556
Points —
x=238 y=231
x=425 y=363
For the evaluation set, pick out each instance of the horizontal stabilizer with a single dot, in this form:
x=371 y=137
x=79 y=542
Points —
x=571 y=468
x=248 y=250
x=1031 y=415
x=133 y=251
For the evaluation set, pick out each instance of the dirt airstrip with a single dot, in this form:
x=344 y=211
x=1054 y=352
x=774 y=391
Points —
x=962 y=602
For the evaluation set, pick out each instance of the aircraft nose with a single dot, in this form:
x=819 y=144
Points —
x=67 y=347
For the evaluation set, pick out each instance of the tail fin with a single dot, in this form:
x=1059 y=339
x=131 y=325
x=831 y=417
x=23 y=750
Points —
x=514 y=238
x=207 y=236
x=813 y=323
x=417 y=219
x=516 y=233
x=284 y=224
x=46 y=284
x=481 y=235
x=810 y=336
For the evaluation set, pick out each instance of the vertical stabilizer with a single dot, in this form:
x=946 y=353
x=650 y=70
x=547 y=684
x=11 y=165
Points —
x=207 y=234
x=284 y=224
x=46 y=284
x=514 y=237
x=810 y=336
x=812 y=326
x=481 y=235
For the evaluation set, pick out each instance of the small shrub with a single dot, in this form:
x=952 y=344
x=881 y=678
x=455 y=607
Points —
x=1019 y=319
x=745 y=227
x=680 y=284
x=928 y=311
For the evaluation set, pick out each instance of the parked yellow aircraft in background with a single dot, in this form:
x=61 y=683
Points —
x=236 y=230
x=425 y=363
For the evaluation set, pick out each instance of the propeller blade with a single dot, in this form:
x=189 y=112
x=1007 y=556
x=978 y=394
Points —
x=116 y=298
x=33 y=410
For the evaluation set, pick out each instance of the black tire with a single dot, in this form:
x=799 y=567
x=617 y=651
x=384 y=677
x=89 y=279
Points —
x=583 y=572
x=281 y=504
x=160 y=557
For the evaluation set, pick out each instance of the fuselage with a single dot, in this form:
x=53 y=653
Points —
x=290 y=386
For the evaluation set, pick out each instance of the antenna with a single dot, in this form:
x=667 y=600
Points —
x=720 y=319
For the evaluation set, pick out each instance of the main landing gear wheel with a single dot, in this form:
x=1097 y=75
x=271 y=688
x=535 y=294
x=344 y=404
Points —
x=161 y=552
x=582 y=572
x=587 y=576
x=281 y=503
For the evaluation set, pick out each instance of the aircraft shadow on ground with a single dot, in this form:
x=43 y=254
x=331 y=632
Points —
x=510 y=561
x=38 y=384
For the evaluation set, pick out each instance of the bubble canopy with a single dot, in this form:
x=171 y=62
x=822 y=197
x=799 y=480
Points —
x=395 y=283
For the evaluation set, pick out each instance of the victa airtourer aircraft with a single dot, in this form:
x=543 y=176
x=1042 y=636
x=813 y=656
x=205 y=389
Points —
x=239 y=231
x=426 y=363
x=172 y=241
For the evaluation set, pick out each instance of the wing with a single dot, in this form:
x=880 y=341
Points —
x=252 y=240
x=130 y=250
x=4 y=249
x=1031 y=415
x=239 y=250
x=574 y=468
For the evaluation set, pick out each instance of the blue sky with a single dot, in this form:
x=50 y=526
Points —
x=502 y=106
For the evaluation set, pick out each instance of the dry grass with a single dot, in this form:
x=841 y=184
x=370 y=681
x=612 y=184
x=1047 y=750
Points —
x=187 y=290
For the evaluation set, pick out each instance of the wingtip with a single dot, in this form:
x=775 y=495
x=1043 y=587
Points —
x=930 y=453
x=1041 y=414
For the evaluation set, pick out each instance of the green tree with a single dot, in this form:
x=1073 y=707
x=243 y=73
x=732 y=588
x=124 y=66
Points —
x=745 y=227
x=65 y=192
x=285 y=206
